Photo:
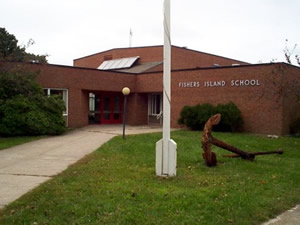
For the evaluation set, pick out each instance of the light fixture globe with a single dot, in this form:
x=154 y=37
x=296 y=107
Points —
x=126 y=91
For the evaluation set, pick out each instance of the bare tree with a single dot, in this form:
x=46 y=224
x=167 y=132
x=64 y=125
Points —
x=289 y=53
x=297 y=59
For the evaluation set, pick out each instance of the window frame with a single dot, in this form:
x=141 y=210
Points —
x=65 y=97
x=153 y=104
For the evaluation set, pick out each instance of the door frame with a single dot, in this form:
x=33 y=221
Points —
x=112 y=113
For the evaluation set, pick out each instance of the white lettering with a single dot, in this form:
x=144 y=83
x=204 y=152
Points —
x=219 y=83
x=239 y=83
x=190 y=84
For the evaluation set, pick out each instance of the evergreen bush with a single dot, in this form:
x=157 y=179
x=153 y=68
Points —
x=231 y=117
x=25 y=110
x=196 y=116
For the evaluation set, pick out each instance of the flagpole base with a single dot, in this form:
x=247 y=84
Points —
x=166 y=167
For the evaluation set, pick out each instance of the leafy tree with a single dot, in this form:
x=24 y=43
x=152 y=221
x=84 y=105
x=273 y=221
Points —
x=24 y=110
x=8 y=43
x=10 y=51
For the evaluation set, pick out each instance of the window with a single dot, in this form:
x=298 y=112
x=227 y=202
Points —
x=155 y=104
x=92 y=101
x=62 y=93
x=121 y=63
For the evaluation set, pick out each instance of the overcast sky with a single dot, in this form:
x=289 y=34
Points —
x=248 y=30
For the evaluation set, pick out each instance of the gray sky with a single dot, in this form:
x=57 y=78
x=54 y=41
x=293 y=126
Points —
x=247 y=30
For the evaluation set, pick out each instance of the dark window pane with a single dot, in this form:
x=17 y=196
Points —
x=116 y=104
x=106 y=116
x=116 y=116
x=57 y=92
x=157 y=104
x=97 y=102
x=106 y=109
x=107 y=104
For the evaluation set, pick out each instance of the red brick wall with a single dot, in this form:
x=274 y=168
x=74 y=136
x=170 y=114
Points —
x=264 y=108
x=138 y=109
x=181 y=58
x=260 y=113
x=78 y=108
x=261 y=106
x=79 y=83
x=85 y=79
x=149 y=83
x=147 y=54
x=291 y=110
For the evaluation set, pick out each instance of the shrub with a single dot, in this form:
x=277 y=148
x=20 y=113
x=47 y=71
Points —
x=196 y=116
x=24 y=110
x=231 y=117
x=295 y=127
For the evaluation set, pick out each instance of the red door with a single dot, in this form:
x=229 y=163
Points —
x=111 y=109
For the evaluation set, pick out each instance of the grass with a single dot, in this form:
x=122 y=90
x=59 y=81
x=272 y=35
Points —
x=7 y=142
x=117 y=185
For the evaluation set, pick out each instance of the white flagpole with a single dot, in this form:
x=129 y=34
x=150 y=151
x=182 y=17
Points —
x=166 y=86
x=166 y=148
x=130 y=38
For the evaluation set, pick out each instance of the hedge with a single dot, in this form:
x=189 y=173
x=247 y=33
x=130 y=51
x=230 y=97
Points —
x=196 y=116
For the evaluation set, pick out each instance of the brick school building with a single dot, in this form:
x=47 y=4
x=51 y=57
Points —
x=91 y=89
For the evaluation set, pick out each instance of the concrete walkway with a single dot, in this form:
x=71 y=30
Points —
x=24 y=167
x=290 y=217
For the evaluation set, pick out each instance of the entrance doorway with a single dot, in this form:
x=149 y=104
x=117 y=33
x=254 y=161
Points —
x=105 y=108
x=155 y=107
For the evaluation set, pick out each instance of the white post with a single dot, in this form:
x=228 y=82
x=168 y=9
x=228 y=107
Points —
x=130 y=38
x=166 y=148
x=166 y=87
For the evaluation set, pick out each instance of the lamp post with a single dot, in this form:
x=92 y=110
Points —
x=126 y=92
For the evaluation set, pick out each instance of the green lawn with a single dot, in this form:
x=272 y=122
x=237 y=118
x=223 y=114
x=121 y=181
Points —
x=12 y=141
x=117 y=185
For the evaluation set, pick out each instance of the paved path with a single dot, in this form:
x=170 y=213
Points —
x=290 y=217
x=24 y=167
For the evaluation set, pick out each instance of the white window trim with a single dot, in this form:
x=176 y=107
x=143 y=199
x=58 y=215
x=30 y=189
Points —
x=150 y=104
x=67 y=97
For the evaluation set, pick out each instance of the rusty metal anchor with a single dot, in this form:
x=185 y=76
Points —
x=208 y=140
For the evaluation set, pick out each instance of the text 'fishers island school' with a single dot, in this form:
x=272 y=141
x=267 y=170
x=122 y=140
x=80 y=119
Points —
x=92 y=87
